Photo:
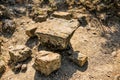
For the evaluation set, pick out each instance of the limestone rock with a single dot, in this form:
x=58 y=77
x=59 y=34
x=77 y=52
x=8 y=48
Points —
x=30 y=30
x=19 y=53
x=2 y=66
x=46 y=62
x=64 y=15
x=56 y=33
x=78 y=58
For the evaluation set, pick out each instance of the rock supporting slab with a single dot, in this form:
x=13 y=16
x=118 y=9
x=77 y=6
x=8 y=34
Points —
x=56 y=32
x=30 y=30
x=47 y=62
x=78 y=58
x=19 y=53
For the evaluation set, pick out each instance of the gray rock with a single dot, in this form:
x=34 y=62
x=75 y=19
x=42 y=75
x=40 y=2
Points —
x=78 y=58
x=8 y=26
x=19 y=53
x=46 y=62
x=56 y=33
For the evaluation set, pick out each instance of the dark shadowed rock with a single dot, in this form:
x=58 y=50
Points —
x=8 y=26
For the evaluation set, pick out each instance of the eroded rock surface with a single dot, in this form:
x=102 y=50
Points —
x=78 y=58
x=56 y=32
x=46 y=62
x=19 y=53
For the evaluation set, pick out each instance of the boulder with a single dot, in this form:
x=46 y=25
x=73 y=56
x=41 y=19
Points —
x=30 y=30
x=19 y=53
x=78 y=58
x=2 y=66
x=46 y=62
x=56 y=33
x=64 y=15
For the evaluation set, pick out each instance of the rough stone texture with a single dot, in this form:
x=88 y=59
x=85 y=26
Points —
x=24 y=67
x=19 y=53
x=56 y=32
x=8 y=26
x=47 y=62
x=100 y=4
x=39 y=14
x=30 y=30
x=78 y=58
x=2 y=66
x=40 y=18
x=64 y=15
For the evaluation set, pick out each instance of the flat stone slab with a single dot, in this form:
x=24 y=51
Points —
x=56 y=32
x=79 y=58
x=64 y=15
x=19 y=53
x=46 y=62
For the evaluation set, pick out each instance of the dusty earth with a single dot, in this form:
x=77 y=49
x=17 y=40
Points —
x=87 y=40
x=101 y=45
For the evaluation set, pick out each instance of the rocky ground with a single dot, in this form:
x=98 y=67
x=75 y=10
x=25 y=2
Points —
x=95 y=35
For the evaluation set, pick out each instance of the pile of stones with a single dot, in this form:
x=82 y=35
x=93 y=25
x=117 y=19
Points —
x=55 y=34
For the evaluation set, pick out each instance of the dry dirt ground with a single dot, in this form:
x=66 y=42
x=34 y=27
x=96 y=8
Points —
x=102 y=51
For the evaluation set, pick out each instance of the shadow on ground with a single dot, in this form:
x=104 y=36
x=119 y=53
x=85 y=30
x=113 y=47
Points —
x=68 y=68
x=66 y=71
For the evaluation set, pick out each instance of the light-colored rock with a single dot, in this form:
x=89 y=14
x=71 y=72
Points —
x=2 y=66
x=78 y=58
x=56 y=32
x=19 y=53
x=24 y=67
x=46 y=62
x=64 y=15
x=30 y=30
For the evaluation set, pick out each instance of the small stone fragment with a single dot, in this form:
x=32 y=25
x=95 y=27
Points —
x=78 y=58
x=19 y=53
x=64 y=15
x=40 y=18
x=24 y=67
x=46 y=62
x=17 y=67
x=30 y=30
